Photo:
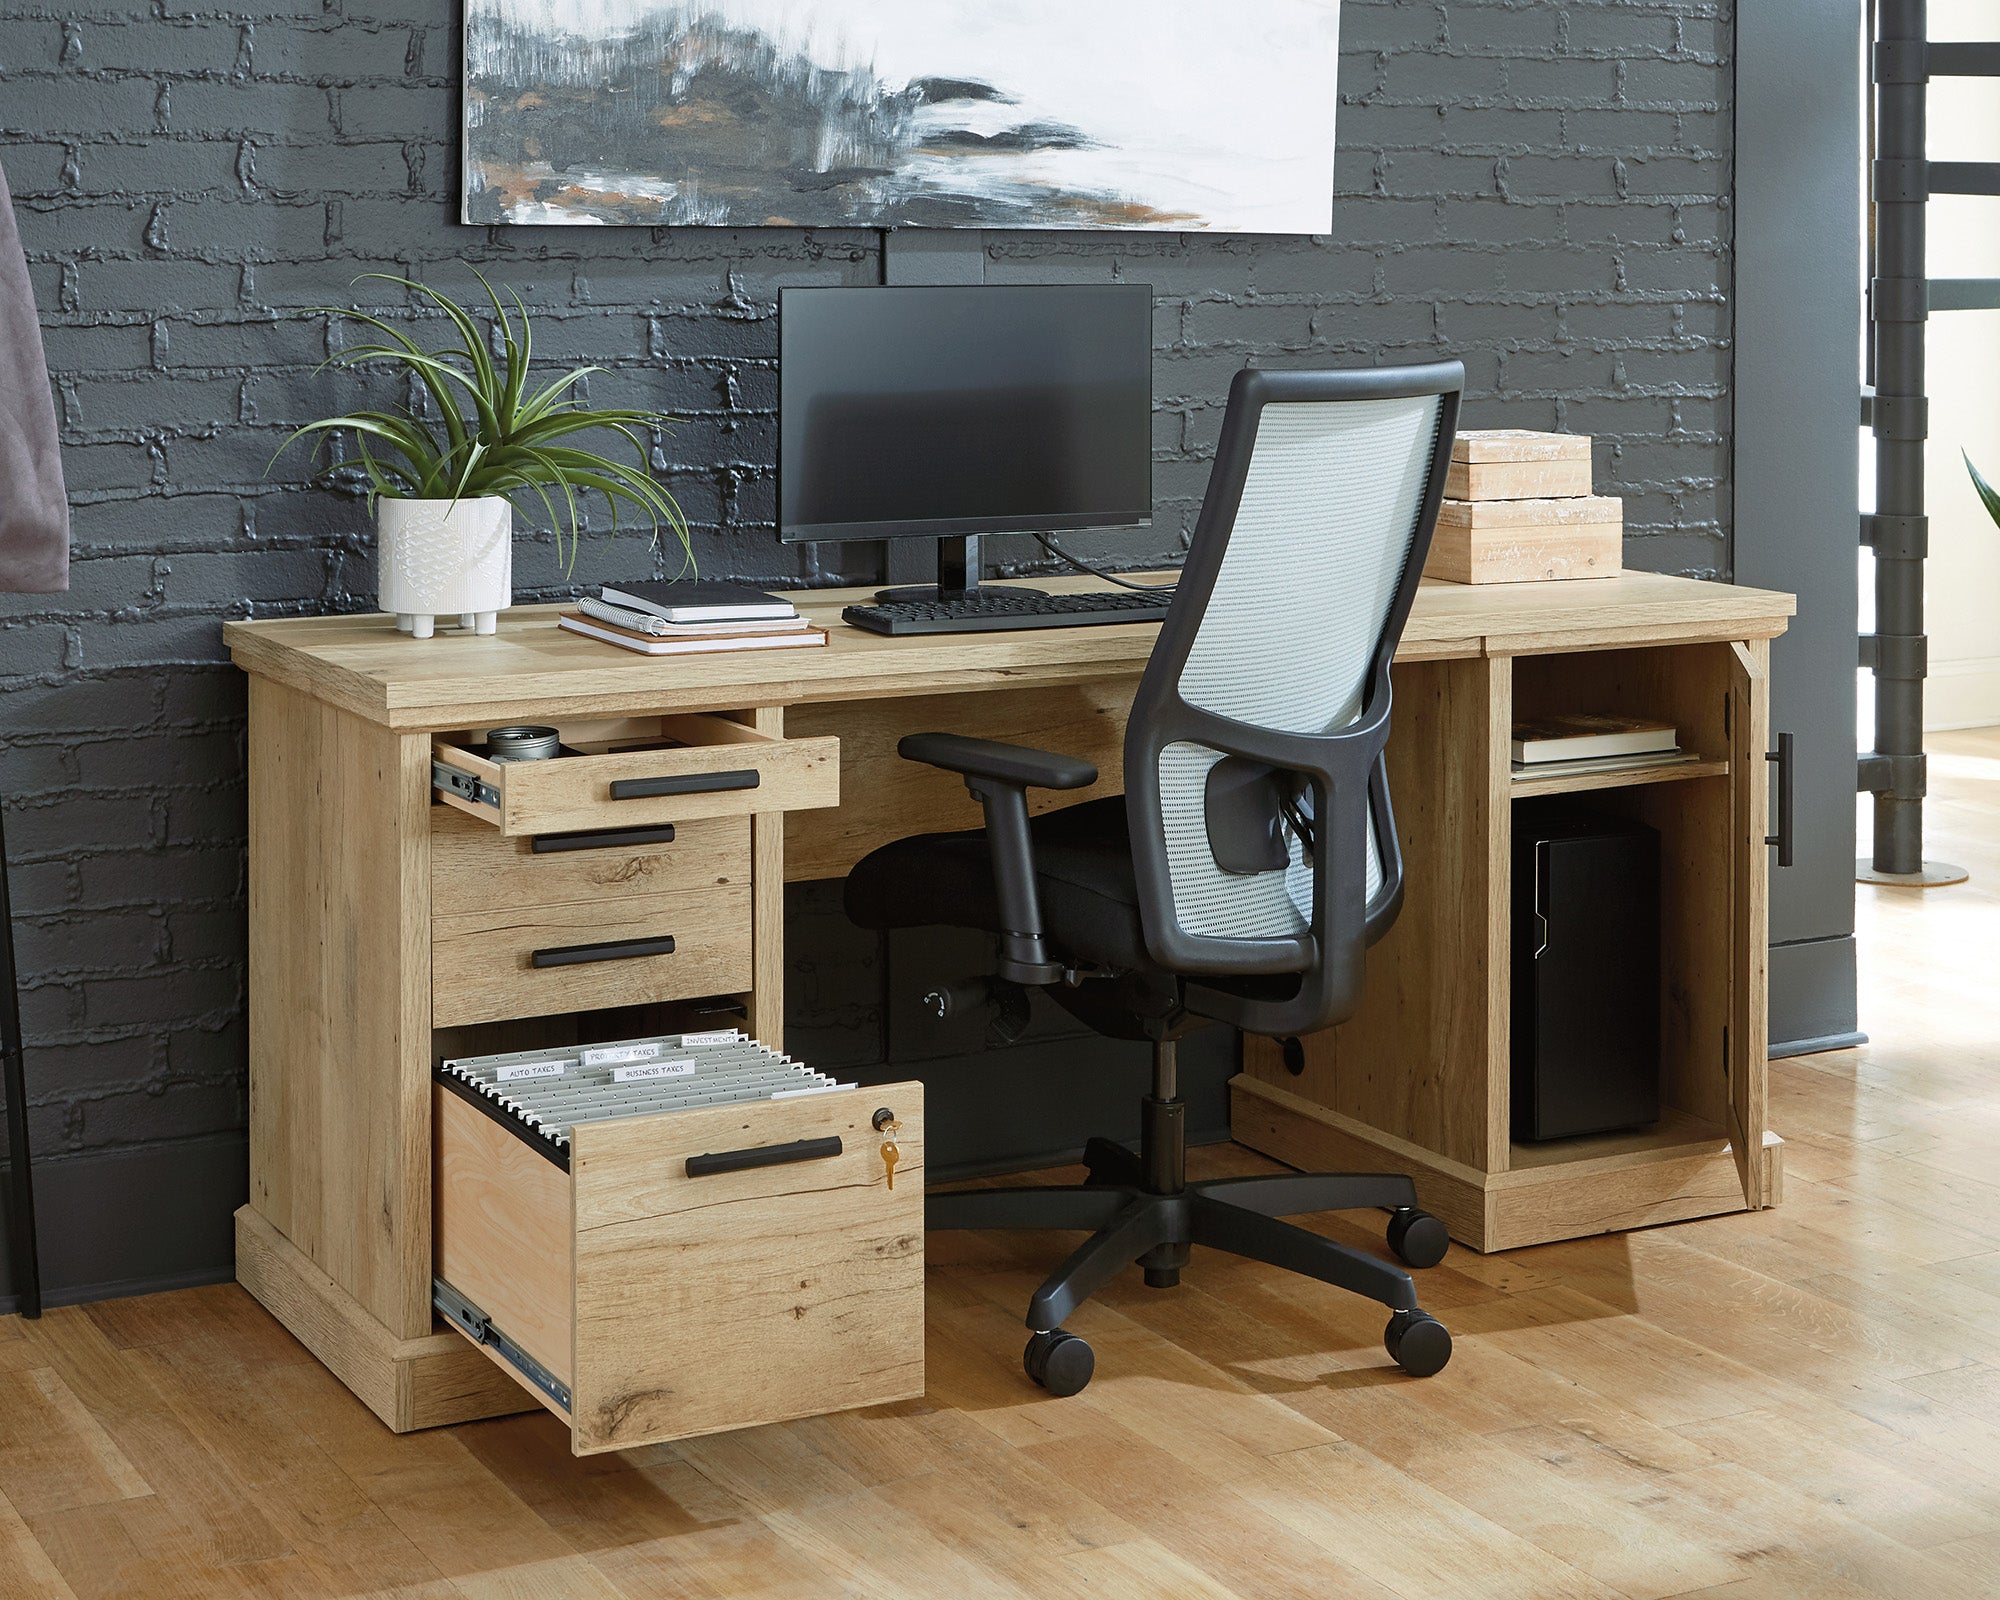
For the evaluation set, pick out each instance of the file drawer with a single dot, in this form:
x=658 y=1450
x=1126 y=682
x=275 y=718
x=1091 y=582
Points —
x=474 y=868
x=637 y=772
x=532 y=961
x=666 y=1273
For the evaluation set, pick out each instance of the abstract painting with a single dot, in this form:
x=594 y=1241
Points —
x=1173 y=114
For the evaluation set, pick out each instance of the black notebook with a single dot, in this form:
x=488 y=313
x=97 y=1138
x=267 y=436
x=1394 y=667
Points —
x=698 y=602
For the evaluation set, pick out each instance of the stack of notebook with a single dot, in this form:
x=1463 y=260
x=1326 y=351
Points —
x=1577 y=743
x=672 y=619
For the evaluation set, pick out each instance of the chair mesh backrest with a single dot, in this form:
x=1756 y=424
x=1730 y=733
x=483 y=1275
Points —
x=1322 y=535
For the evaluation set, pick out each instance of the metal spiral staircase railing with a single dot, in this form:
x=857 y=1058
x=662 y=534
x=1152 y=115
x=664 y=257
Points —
x=1894 y=407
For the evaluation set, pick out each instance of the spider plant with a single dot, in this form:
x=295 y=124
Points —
x=1988 y=495
x=511 y=441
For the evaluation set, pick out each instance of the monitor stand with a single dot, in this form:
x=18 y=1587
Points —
x=958 y=574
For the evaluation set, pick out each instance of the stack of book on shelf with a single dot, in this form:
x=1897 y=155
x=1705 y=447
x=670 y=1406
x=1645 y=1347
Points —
x=1579 y=742
x=1518 y=508
x=684 y=619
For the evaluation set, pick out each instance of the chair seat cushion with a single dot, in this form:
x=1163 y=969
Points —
x=1083 y=870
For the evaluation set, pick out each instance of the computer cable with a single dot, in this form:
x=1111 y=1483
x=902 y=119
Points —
x=1098 y=572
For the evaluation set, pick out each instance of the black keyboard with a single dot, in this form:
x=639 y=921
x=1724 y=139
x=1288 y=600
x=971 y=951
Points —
x=991 y=610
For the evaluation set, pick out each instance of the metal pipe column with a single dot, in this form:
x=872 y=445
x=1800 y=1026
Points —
x=1898 y=298
x=1897 y=317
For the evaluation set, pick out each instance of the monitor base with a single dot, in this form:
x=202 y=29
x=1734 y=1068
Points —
x=957 y=575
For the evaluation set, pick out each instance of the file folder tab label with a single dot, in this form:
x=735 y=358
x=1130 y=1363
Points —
x=655 y=1069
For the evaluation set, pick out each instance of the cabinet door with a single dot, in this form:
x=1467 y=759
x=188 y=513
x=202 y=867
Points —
x=1749 y=932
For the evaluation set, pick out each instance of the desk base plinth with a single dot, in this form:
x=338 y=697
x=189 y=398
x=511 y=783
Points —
x=430 y=1382
x=1675 y=1179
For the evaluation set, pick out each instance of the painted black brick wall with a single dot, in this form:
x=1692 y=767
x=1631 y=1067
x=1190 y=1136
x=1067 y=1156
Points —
x=1542 y=189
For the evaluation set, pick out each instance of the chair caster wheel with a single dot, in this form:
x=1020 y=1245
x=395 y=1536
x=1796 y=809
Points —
x=1060 y=1362
x=1417 y=1237
x=1417 y=1342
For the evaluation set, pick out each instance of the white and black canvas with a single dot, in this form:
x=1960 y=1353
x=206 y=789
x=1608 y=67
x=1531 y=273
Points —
x=1175 y=114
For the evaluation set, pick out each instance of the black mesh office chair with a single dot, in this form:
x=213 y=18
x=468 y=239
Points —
x=1252 y=859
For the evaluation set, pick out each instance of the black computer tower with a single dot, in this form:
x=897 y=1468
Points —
x=1586 y=1024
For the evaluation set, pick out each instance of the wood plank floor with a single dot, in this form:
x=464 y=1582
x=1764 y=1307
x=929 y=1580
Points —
x=1800 y=1403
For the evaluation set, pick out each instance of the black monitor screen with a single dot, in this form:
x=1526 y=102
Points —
x=964 y=410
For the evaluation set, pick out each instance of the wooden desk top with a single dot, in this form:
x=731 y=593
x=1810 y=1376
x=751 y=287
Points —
x=532 y=670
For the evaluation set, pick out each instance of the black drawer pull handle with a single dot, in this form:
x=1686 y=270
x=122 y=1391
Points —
x=685 y=783
x=576 y=955
x=763 y=1155
x=603 y=838
x=1784 y=758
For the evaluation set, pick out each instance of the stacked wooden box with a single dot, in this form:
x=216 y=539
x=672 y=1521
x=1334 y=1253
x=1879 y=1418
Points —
x=1518 y=508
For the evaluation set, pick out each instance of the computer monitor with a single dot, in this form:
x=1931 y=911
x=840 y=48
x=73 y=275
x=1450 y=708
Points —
x=944 y=413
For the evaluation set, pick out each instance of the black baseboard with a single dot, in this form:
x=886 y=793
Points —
x=1813 y=996
x=1812 y=1047
x=124 y=1222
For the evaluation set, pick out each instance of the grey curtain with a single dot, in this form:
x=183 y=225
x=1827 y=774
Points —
x=34 y=510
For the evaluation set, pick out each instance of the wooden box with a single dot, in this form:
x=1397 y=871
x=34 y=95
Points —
x=1516 y=464
x=1517 y=541
x=689 y=1271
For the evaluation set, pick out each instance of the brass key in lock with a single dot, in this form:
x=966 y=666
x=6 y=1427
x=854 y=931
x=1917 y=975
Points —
x=887 y=1125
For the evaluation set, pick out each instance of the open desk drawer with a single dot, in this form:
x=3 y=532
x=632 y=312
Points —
x=686 y=1272
x=637 y=772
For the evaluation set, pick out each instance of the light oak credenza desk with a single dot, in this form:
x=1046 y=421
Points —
x=392 y=925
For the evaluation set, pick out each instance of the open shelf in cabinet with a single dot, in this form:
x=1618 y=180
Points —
x=1687 y=686
x=1526 y=784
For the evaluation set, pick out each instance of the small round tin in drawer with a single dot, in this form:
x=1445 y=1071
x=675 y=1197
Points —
x=522 y=744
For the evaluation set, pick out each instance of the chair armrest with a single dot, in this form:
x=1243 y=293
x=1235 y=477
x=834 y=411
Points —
x=1003 y=763
x=999 y=777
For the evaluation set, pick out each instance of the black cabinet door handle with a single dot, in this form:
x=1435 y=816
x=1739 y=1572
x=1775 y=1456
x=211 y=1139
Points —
x=1782 y=757
x=684 y=783
x=603 y=838
x=576 y=955
x=763 y=1155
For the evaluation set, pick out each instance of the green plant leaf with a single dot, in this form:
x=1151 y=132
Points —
x=516 y=378
x=545 y=402
x=527 y=350
x=512 y=444
x=404 y=347
x=487 y=388
x=1988 y=495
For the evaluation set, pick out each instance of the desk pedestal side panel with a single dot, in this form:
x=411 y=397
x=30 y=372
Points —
x=340 y=998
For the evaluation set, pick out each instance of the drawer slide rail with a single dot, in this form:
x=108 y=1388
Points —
x=478 y=1327
x=463 y=784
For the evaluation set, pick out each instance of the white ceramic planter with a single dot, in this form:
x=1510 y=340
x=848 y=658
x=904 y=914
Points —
x=439 y=558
